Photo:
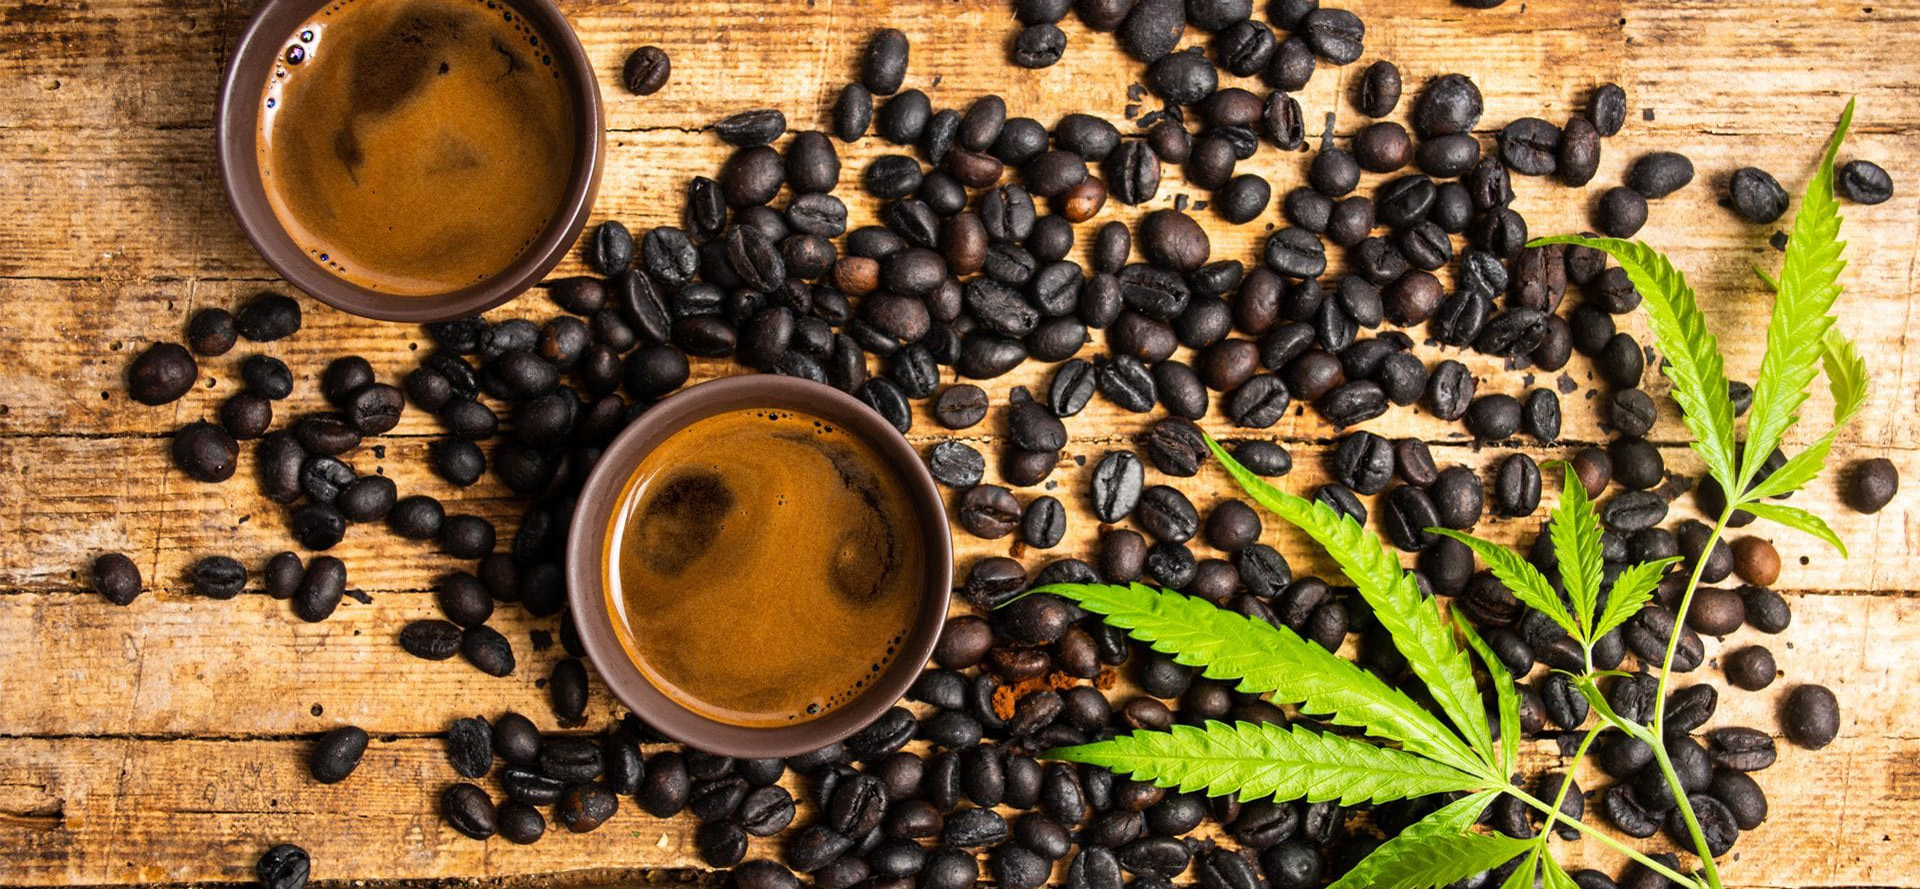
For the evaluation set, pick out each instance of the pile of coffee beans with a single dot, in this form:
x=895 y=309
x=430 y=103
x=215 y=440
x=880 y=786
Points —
x=971 y=273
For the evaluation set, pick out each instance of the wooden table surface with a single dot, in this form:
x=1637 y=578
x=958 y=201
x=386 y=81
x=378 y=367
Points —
x=165 y=742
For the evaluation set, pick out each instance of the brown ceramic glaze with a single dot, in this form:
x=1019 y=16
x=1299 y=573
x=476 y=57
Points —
x=587 y=568
x=237 y=132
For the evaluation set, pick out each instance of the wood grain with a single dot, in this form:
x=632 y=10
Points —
x=165 y=742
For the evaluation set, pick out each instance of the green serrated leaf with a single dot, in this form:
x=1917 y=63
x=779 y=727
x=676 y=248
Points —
x=1505 y=696
x=1264 y=658
x=1258 y=761
x=1519 y=575
x=1553 y=876
x=1435 y=851
x=1411 y=620
x=1525 y=876
x=1693 y=354
x=1631 y=589
x=1847 y=380
x=1575 y=530
x=1799 y=520
x=1809 y=283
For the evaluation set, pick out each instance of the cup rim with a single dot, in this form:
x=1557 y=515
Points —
x=237 y=123
x=591 y=525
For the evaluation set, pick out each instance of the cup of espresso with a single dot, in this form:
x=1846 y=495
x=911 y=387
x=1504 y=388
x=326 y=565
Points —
x=410 y=160
x=759 y=566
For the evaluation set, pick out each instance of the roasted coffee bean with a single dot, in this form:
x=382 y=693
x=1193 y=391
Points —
x=1176 y=446
x=217 y=577
x=1751 y=668
x=989 y=511
x=1620 y=212
x=1741 y=749
x=1621 y=807
x=1352 y=403
x=960 y=406
x=1044 y=523
x=1516 y=486
x=1871 y=484
x=746 y=129
x=1811 y=716
x=434 y=640
x=644 y=73
x=1407 y=514
x=584 y=807
x=469 y=810
x=321 y=589
x=1116 y=486
x=1334 y=172
x=205 y=452
x=1742 y=796
x=667 y=787
x=285 y=866
x=1756 y=195
x=470 y=747
x=610 y=250
x=1158 y=856
x=268 y=317
x=211 y=332
x=1382 y=147
x=1263 y=458
x=1335 y=34
x=485 y=649
x=1863 y=182
x=115 y=577
x=1716 y=822
x=1032 y=426
x=1295 y=253
x=1633 y=510
x=1126 y=382
x=1363 y=461
x=337 y=754
x=884 y=64
x=416 y=518
x=1716 y=612
x=1658 y=174
x=1176 y=814
x=1166 y=514
x=1457 y=497
x=1263 y=399
x=1631 y=412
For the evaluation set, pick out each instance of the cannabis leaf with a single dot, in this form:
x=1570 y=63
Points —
x=1553 y=876
x=1523 y=877
x=1693 y=353
x=1505 y=696
x=1412 y=620
x=1809 y=283
x=1525 y=581
x=1435 y=851
x=1847 y=380
x=1631 y=589
x=1226 y=645
x=1575 y=531
x=1257 y=760
x=1800 y=520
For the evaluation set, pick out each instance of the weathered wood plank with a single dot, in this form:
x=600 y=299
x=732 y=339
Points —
x=87 y=811
x=177 y=665
x=114 y=229
x=72 y=58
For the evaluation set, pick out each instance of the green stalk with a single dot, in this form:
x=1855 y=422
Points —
x=1605 y=840
x=1658 y=742
x=1566 y=783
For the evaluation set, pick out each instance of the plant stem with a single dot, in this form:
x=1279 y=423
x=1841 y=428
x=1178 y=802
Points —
x=1660 y=701
x=1605 y=840
x=1566 y=783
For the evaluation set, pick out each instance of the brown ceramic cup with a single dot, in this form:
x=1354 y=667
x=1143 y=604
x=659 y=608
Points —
x=588 y=568
x=237 y=127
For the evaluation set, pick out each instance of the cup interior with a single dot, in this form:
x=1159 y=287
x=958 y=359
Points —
x=267 y=35
x=587 y=564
